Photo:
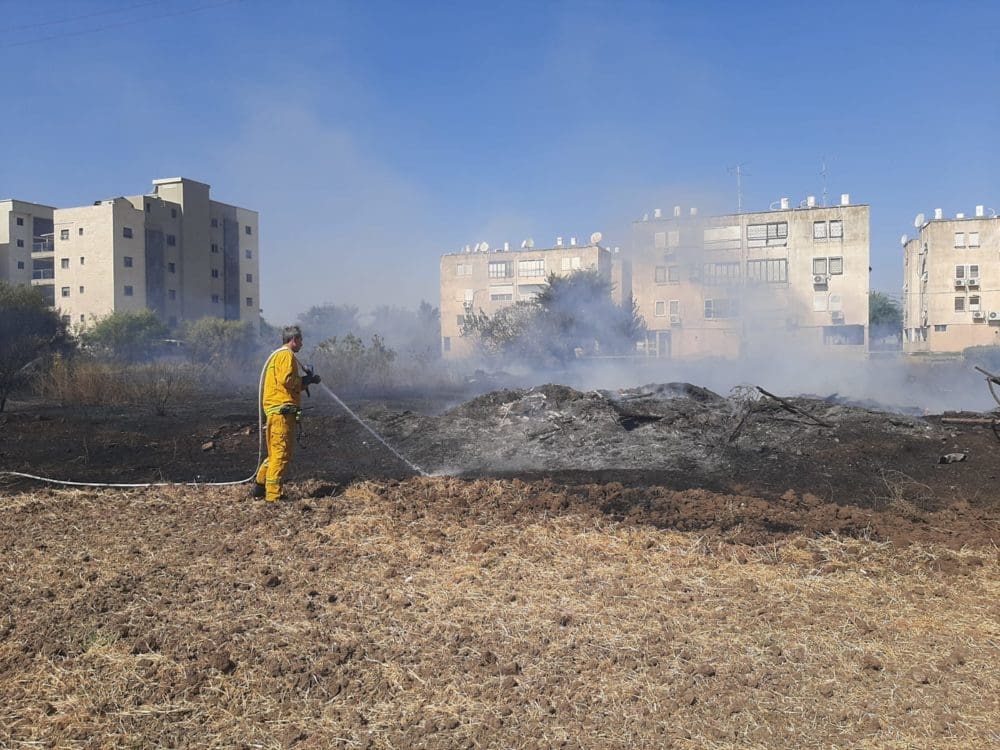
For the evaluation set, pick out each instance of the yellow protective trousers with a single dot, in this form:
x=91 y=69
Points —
x=280 y=434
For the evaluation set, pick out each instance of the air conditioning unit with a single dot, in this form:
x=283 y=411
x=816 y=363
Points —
x=973 y=281
x=675 y=320
x=837 y=316
x=994 y=315
x=978 y=315
x=959 y=282
x=820 y=279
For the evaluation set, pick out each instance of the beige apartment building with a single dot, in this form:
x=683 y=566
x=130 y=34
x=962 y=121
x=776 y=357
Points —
x=793 y=278
x=174 y=251
x=951 y=283
x=481 y=279
x=25 y=243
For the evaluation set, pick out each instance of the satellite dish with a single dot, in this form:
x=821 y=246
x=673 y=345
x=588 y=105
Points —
x=596 y=238
x=903 y=240
x=475 y=248
x=919 y=221
x=529 y=243
x=524 y=244
x=484 y=247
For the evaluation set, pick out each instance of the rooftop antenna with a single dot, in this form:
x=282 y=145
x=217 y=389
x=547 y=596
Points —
x=738 y=171
x=823 y=173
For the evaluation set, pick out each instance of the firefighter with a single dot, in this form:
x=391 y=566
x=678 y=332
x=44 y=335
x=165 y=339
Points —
x=281 y=399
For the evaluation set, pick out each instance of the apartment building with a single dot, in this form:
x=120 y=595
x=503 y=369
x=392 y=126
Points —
x=951 y=283
x=739 y=284
x=25 y=243
x=479 y=278
x=174 y=251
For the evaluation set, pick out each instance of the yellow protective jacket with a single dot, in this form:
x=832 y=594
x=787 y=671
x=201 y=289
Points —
x=282 y=381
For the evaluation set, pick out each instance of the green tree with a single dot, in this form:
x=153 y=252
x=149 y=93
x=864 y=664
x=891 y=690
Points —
x=885 y=316
x=125 y=336
x=348 y=364
x=222 y=343
x=28 y=329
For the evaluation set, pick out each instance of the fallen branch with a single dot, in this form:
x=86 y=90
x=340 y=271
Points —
x=794 y=409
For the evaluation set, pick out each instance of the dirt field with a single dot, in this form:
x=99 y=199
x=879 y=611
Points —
x=675 y=582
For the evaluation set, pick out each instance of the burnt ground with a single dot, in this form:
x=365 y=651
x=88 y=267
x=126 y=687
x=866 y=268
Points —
x=743 y=467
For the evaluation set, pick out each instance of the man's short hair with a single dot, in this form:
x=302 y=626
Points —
x=290 y=332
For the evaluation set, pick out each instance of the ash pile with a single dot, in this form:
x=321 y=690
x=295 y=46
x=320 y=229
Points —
x=676 y=428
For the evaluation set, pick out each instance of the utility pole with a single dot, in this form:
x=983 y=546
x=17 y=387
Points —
x=738 y=171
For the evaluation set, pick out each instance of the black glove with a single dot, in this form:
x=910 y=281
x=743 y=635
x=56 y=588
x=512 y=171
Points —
x=309 y=379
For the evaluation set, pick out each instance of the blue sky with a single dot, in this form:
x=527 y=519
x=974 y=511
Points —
x=373 y=136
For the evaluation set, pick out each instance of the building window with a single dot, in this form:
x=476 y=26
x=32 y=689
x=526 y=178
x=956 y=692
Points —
x=819 y=230
x=127 y=260
x=721 y=273
x=127 y=232
x=660 y=274
x=173 y=213
x=836 y=230
x=215 y=223
x=20 y=221
x=959 y=239
x=775 y=233
x=171 y=294
x=215 y=299
x=64 y=234
x=128 y=291
x=530 y=269
x=215 y=273
x=65 y=291
x=773 y=271
x=249 y=230
x=20 y=265
x=940 y=328
x=836 y=266
x=675 y=307
x=249 y=278
x=80 y=231
x=974 y=303
x=973 y=239
x=81 y=290
x=81 y=260
x=720 y=308
x=148 y=207
x=571 y=264
x=501 y=269
x=502 y=294
x=249 y=301
x=819 y=266
x=215 y=248
x=20 y=243
x=81 y=317
x=660 y=309
x=660 y=240
x=248 y=254
x=172 y=240
x=446 y=341
x=673 y=273
x=172 y=267
x=959 y=304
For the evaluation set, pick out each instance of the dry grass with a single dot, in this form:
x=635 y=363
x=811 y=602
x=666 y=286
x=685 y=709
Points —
x=425 y=614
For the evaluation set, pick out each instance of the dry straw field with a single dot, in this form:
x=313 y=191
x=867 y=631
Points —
x=442 y=613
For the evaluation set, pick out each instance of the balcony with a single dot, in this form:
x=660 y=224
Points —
x=43 y=244
x=45 y=273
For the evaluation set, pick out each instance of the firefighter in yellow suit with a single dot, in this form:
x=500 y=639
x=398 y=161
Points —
x=281 y=399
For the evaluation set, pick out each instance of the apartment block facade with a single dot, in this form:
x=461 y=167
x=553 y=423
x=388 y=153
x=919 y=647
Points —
x=25 y=254
x=173 y=251
x=480 y=279
x=734 y=285
x=951 y=283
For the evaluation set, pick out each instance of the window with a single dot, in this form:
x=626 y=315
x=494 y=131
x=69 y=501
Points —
x=973 y=239
x=80 y=231
x=171 y=294
x=660 y=240
x=172 y=240
x=249 y=278
x=215 y=247
x=819 y=230
x=673 y=273
x=502 y=293
x=148 y=208
x=249 y=230
x=127 y=232
x=973 y=271
x=215 y=223
x=959 y=272
x=460 y=320
x=974 y=303
x=81 y=290
x=20 y=265
x=249 y=301
x=940 y=328
x=773 y=271
x=65 y=291
x=81 y=260
x=20 y=221
x=20 y=243
x=173 y=213
x=660 y=309
x=836 y=266
x=675 y=307
x=756 y=231
x=959 y=239
x=172 y=267
x=777 y=230
x=836 y=230
x=721 y=273
x=128 y=291
x=720 y=308
x=64 y=234
x=128 y=261
x=446 y=343
x=501 y=269
x=571 y=264
x=248 y=254
x=819 y=266
x=959 y=304
x=215 y=273
x=215 y=299
x=660 y=274
x=81 y=317
x=775 y=233
x=531 y=269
